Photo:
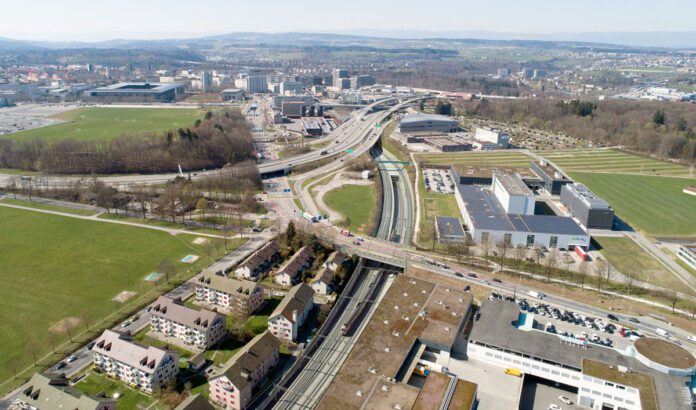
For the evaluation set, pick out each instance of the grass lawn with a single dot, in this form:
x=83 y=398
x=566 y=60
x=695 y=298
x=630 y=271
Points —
x=652 y=204
x=54 y=267
x=433 y=204
x=356 y=203
x=143 y=337
x=103 y=124
x=629 y=258
x=47 y=207
x=259 y=322
x=128 y=398
x=615 y=162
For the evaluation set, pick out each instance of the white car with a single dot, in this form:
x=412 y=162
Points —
x=71 y=358
x=565 y=400
x=692 y=338
x=554 y=407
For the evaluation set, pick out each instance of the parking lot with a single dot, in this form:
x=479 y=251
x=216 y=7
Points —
x=492 y=382
x=438 y=180
x=540 y=394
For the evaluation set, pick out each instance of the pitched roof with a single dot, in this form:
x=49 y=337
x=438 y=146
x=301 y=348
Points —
x=123 y=349
x=260 y=257
x=53 y=391
x=239 y=368
x=195 y=402
x=296 y=299
x=336 y=257
x=174 y=310
x=292 y=266
x=325 y=275
x=228 y=285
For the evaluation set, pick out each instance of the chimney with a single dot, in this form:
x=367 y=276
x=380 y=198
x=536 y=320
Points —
x=294 y=315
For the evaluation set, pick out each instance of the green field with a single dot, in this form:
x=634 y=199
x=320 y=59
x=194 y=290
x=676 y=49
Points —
x=630 y=259
x=355 y=202
x=652 y=204
x=433 y=204
x=615 y=162
x=487 y=158
x=103 y=124
x=128 y=398
x=55 y=268
x=47 y=207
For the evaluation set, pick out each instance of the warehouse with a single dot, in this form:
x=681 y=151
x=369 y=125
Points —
x=449 y=229
x=592 y=211
x=164 y=92
x=427 y=123
x=552 y=178
x=484 y=213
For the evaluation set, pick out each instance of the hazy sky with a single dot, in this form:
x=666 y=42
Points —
x=106 y=19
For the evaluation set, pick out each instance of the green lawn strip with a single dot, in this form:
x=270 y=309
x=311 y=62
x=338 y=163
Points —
x=355 y=202
x=630 y=259
x=128 y=398
x=62 y=267
x=47 y=207
x=161 y=223
x=103 y=124
x=653 y=204
x=143 y=338
x=431 y=205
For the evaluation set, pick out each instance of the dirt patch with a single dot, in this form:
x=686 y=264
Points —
x=123 y=296
x=63 y=325
x=200 y=241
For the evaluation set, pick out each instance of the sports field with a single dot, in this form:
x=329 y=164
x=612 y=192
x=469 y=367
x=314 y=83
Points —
x=103 y=124
x=356 y=203
x=652 y=204
x=615 y=162
x=57 y=270
x=486 y=158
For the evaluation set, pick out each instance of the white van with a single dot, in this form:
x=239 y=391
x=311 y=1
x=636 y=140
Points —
x=535 y=294
x=662 y=332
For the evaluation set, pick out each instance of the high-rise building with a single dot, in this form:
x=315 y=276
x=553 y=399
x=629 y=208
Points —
x=206 y=81
x=338 y=75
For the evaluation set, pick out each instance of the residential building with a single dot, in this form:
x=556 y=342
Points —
x=241 y=297
x=323 y=282
x=334 y=261
x=427 y=123
x=195 y=402
x=144 y=367
x=231 y=387
x=291 y=312
x=289 y=273
x=687 y=253
x=53 y=391
x=206 y=81
x=258 y=263
x=592 y=211
x=492 y=138
x=201 y=328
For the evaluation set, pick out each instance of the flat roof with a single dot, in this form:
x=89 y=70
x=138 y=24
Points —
x=144 y=87
x=584 y=194
x=550 y=170
x=463 y=396
x=475 y=171
x=512 y=184
x=665 y=353
x=448 y=226
x=433 y=391
x=486 y=212
x=496 y=327
x=645 y=383
x=414 y=118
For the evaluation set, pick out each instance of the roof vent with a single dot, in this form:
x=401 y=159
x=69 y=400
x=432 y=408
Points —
x=385 y=388
x=396 y=307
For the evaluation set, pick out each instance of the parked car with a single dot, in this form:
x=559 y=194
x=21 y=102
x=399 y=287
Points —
x=60 y=365
x=459 y=275
x=472 y=275
x=634 y=320
x=565 y=400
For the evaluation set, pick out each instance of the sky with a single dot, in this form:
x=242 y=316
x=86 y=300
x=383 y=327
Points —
x=93 y=20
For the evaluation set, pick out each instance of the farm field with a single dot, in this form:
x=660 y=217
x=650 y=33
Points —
x=628 y=257
x=62 y=271
x=653 y=204
x=615 y=162
x=356 y=203
x=103 y=124
x=487 y=158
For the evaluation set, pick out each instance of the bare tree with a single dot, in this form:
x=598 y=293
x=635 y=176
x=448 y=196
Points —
x=600 y=267
x=673 y=299
x=582 y=271
x=33 y=350
x=52 y=340
x=85 y=315
x=486 y=249
x=167 y=268
x=630 y=278
x=519 y=253
x=551 y=262
x=504 y=248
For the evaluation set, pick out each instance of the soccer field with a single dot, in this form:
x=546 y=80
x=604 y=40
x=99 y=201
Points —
x=615 y=162
x=653 y=204
x=56 y=269
x=103 y=124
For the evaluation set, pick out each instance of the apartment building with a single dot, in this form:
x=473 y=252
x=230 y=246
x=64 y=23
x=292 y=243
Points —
x=144 y=367
x=290 y=314
x=200 y=328
x=289 y=273
x=45 y=391
x=323 y=282
x=231 y=387
x=258 y=263
x=241 y=297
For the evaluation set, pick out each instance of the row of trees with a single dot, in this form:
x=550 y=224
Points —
x=221 y=138
x=664 y=129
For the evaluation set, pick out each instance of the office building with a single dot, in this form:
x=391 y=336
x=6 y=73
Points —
x=361 y=81
x=338 y=75
x=252 y=83
x=206 y=81
x=291 y=87
x=427 y=123
x=200 y=328
x=592 y=211
x=145 y=367
x=503 y=73
x=492 y=138
x=552 y=179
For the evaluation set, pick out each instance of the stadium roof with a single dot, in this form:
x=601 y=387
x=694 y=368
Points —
x=146 y=88
x=414 y=118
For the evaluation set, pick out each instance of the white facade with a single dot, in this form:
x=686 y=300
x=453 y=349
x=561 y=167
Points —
x=283 y=279
x=514 y=203
x=287 y=328
x=494 y=136
x=190 y=335
x=688 y=255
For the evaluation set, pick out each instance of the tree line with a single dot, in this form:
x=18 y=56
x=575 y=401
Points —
x=219 y=139
x=666 y=130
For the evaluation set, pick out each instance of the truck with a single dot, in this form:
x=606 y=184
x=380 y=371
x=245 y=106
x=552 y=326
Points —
x=310 y=217
x=581 y=253
x=661 y=332
x=535 y=294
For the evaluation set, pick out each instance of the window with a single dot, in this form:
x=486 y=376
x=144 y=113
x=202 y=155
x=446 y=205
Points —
x=484 y=237
x=507 y=238
x=530 y=240
x=553 y=242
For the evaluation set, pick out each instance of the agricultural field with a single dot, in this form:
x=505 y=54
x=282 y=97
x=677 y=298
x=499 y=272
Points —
x=356 y=203
x=103 y=124
x=653 y=204
x=487 y=158
x=612 y=161
x=62 y=273
x=629 y=258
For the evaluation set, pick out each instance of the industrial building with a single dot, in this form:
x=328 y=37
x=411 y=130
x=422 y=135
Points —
x=687 y=253
x=479 y=175
x=592 y=211
x=650 y=374
x=315 y=126
x=492 y=138
x=505 y=213
x=552 y=178
x=232 y=94
x=449 y=229
x=427 y=123
x=163 y=92
x=448 y=143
